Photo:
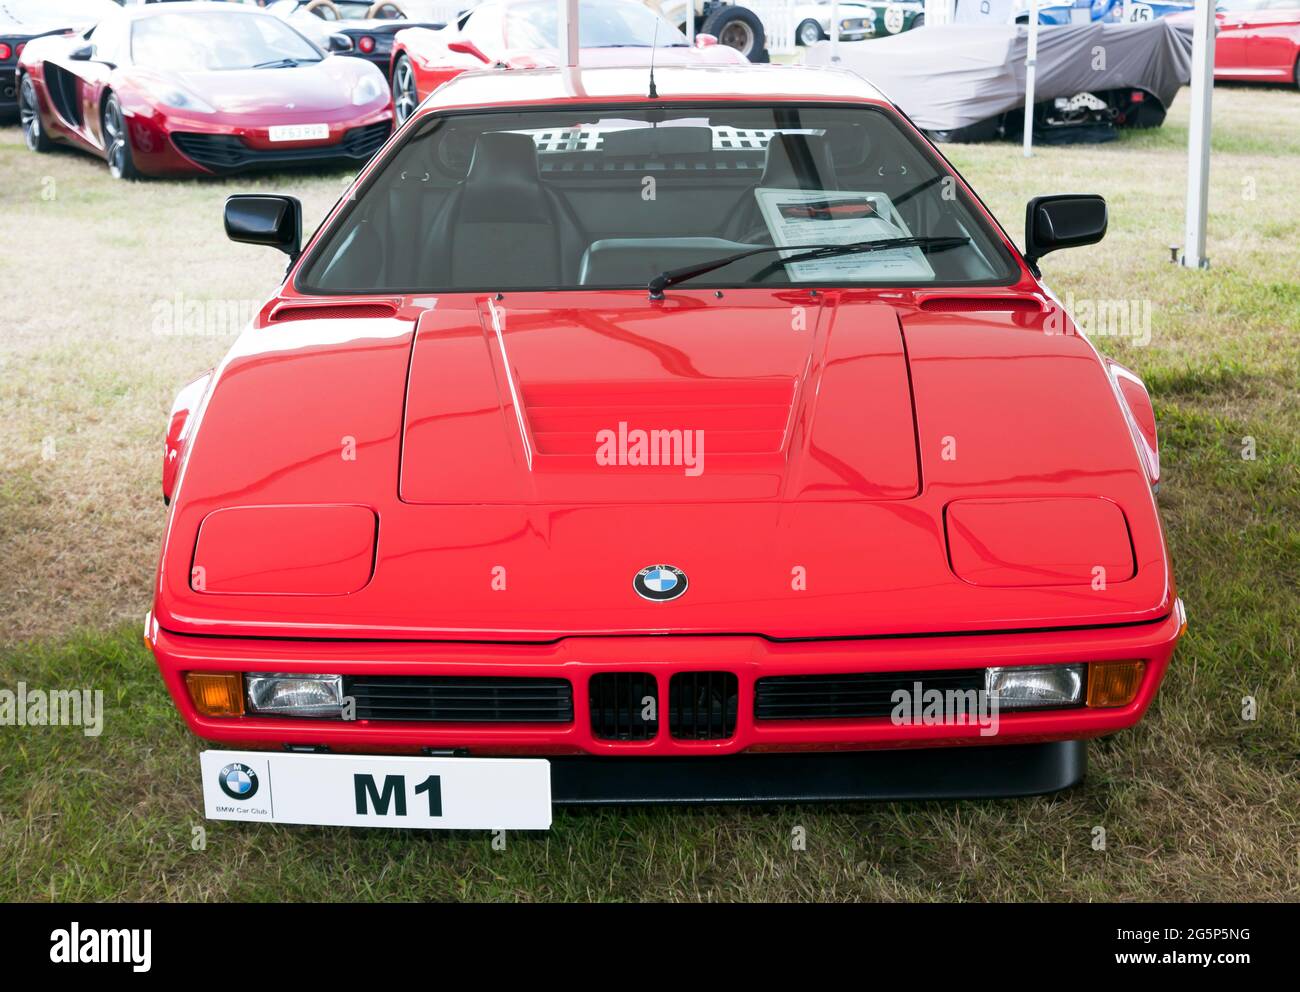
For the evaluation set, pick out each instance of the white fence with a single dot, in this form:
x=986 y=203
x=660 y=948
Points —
x=778 y=17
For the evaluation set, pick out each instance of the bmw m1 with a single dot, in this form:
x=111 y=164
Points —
x=618 y=442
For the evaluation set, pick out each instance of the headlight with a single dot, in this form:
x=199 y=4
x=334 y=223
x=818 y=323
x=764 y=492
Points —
x=1030 y=688
x=179 y=99
x=294 y=695
x=368 y=90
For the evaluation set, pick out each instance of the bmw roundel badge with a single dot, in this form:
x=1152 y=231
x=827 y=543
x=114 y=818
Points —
x=238 y=781
x=659 y=582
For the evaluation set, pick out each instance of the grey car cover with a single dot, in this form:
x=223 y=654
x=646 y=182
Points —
x=951 y=76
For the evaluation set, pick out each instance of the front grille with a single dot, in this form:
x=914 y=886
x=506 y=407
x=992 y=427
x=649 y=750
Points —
x=460 y=699
x=619 y=703
x=702 y=705
x=226 y=152
x=849 y=697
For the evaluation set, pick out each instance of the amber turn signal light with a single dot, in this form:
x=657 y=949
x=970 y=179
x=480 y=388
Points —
x=216 y=693
x=1114 y=683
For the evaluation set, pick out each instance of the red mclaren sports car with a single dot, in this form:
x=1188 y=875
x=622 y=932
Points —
x=196 y=89
x=524 y=34
x=603 y=447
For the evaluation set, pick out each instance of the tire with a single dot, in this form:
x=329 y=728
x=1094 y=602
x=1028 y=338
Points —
x=406 y=97
x=809 y=33
x=1295 y=73
x=738 y=28
x=917 y=22
x=29 y=117
x=117 y=143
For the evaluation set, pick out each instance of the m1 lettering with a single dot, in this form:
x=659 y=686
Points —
x=394 y=794
x=433 y=786
x=369 y=795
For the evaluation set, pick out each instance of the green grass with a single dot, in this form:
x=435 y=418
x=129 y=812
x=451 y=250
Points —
x=1197 y=803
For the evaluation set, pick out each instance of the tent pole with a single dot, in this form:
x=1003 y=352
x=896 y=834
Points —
x=1031 y=62
x=569 y=31
x=1198 y=137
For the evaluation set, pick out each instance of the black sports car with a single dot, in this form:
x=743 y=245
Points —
x=23 y=20
x=368 y=24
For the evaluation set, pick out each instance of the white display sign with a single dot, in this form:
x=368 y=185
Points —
x=840 y=217
x=985 y=11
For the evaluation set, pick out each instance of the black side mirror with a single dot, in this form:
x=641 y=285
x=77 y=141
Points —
x=340 y=43
x=1065 y=220
x=83 y=54
x=259 y=219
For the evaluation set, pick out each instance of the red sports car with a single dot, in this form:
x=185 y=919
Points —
x=199 y=88
x=606 y=447
x=1257 y=40
x=524 y=34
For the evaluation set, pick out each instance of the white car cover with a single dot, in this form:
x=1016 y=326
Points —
x=951 y=76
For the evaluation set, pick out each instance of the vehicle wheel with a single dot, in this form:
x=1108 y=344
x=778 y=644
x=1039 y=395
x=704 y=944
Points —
x=918 y=22
x=809 y=33
x=29 y=116
x=738 y=28
x=117 y=145
x=1295 y=73
x=405 y=95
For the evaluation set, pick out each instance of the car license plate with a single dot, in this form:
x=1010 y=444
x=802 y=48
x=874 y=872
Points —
x=300 y=132
x=346 y=790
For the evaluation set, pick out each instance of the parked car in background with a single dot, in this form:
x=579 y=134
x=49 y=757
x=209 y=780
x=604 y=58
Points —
x=813 y=21
x=23 y=20
x=733 y=24
x=895 y=16
x=1257 y=41
x=197 y=89
x=370 y=26
x=524 y=34
x=1110 y=11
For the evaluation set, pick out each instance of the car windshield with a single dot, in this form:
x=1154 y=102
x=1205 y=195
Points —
x=578 y=199
x=184 y=42
x=606 y=24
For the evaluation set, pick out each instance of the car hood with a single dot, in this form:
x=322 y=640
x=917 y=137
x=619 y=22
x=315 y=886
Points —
x=837 y=431
x=320 y=86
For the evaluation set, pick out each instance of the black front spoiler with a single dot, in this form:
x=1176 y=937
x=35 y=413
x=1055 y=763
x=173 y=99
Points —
x=923 y=773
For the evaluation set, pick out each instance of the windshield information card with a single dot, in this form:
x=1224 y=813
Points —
x=823 y=217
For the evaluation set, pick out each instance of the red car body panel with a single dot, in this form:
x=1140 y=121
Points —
x=453 y=419
x=1257 y=45
x=247 y=103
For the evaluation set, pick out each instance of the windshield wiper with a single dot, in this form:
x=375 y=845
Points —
x=284 y=63
x=805 y=253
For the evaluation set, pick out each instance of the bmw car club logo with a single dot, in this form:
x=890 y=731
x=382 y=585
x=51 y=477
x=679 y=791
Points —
x=659 y=582
x=238 y=781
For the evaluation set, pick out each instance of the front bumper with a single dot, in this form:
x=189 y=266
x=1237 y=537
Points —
x=577 y=659
x=170 y=145
x=919 y=774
